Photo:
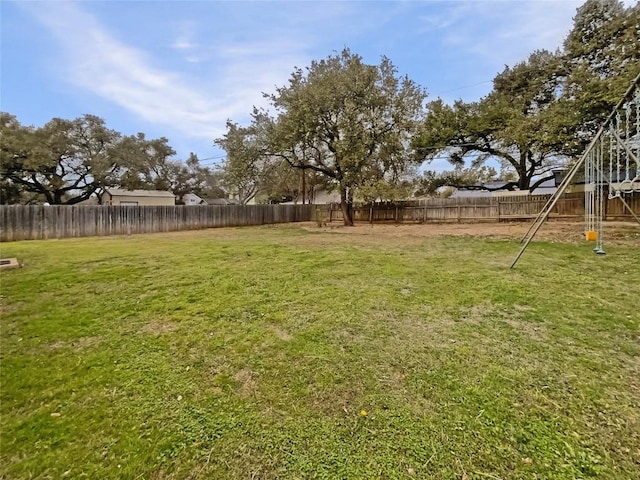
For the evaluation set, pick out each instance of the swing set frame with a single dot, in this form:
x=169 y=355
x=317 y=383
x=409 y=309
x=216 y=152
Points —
x=593 y=161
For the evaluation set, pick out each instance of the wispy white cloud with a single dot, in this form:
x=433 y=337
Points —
x=96 y=61
x=503 y=32
x=182 y=43
x=185 y=42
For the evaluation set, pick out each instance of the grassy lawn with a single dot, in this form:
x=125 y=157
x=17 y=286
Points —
x=255 y=353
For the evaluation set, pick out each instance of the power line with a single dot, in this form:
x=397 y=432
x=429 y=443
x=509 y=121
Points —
x=463 y=87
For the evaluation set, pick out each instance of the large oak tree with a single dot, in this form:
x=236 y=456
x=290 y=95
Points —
x=514 y=124
x=65 y=161
x=343 y=119
x=349 y=121
x=542 y=112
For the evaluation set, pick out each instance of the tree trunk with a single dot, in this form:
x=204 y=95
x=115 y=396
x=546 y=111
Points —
x=523 y=182
x=346 y=205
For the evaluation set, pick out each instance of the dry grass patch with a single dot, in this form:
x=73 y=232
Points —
x=159 y=327
x=77 y=344
x=247 y=383
x=281 y=333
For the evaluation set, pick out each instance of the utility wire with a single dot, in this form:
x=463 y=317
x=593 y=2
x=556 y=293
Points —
x=463 y=87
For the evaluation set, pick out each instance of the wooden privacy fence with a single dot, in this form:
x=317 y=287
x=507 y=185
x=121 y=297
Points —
x=478 y=209
x=34 y=222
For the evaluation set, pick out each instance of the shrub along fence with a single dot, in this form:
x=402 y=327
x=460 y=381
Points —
x=477 y=209
x=34 y=222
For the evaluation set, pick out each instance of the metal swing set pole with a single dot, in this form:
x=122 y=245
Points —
x=572 y=172
x=544 y=214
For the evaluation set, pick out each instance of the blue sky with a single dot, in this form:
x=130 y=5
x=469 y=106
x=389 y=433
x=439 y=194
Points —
x=180 y=69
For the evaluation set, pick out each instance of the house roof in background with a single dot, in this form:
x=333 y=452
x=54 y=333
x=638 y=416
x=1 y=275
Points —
x=551 y=183
x=117 y=192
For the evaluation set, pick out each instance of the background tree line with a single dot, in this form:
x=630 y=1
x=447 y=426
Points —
x=361 y=130
x=65 y=162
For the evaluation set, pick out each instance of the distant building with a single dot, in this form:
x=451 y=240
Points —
x=493 y=189
x=116 y=196
x=220 y=201
x=323 y=196
x=192 y=199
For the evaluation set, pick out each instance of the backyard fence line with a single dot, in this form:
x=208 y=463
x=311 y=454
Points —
x=476 y=209
x=36 y=222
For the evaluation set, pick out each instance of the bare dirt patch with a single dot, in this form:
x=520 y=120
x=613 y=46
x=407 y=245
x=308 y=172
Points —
x=572 y=232
x=281 y=333
x=158 y=327
x=615 y=233
x=532 y=331
x=246 y=382
x=77 y=344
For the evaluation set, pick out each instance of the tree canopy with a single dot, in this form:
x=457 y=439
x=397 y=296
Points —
x=247 y=167
x=601 y=58
x=513 y=124
x=542 y=112
x=65 y=162
x=345 y=120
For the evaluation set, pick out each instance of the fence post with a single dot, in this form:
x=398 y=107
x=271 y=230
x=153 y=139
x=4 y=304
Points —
x=330 y=213
x=498 y=200
x=397 y=218
x=371 y=214
x=459 y=214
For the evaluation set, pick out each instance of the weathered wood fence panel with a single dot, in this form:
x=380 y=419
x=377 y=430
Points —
x=479 y=209
x=33 y=222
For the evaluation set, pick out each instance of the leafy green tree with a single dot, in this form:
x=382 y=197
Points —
x=601 y=58
x=383 y=191
x=283 y=184
x=148 y=164
x=347 y=121
x=65 y=161
x=10 y=193
x=202 y=180
x=247 y=167
x=542 y=112
x=513 y=124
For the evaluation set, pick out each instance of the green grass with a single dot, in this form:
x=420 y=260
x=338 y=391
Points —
x=251 y=352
